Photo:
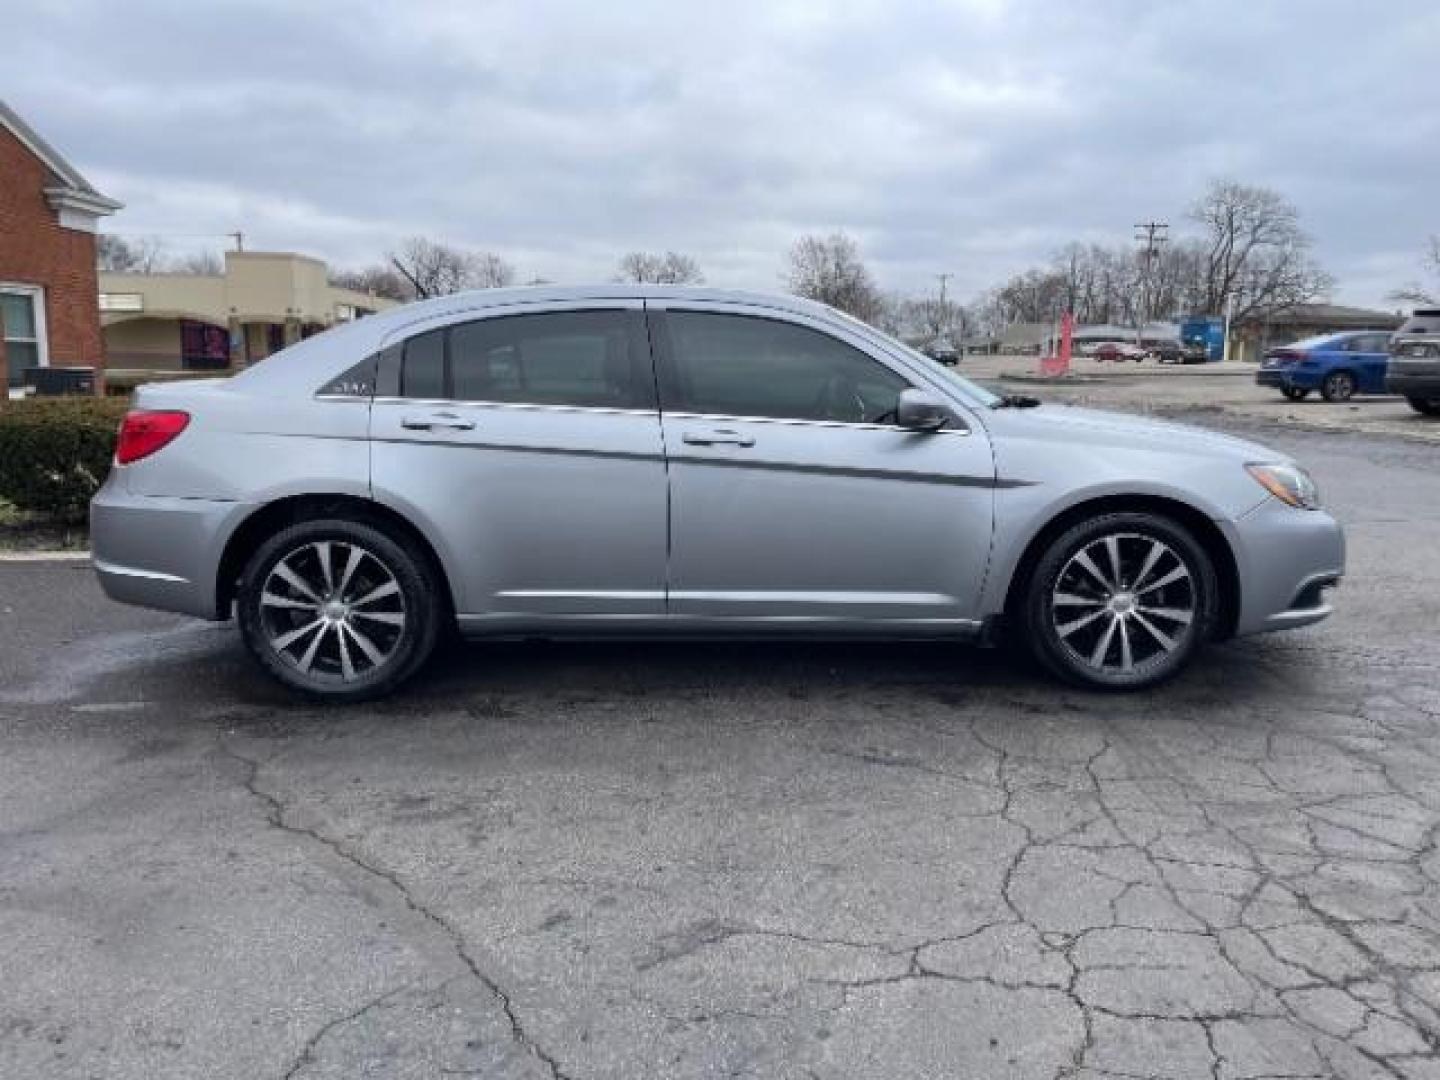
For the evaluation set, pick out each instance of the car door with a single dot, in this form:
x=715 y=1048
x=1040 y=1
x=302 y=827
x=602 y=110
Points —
x=793 y=496
x=528 y=446
x=1373 y=359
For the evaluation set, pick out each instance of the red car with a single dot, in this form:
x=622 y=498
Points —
x=1119 y=350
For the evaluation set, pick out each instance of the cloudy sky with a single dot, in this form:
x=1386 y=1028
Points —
x=971 y=137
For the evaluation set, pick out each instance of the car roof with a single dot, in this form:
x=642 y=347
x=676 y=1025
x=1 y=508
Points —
x=1317 y=340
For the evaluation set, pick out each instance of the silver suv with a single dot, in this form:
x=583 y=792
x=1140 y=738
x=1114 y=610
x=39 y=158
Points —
x=1414 y=368
x=639 y=461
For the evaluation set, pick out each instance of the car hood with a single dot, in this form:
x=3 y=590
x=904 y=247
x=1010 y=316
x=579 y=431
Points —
x=1068 y=424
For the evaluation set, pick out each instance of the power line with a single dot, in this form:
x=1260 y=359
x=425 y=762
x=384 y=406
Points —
x=1152 y=232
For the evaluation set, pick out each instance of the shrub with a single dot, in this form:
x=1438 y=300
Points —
x=56 y=452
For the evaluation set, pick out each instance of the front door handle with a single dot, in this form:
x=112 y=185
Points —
x=431 y=421
x=717 y=437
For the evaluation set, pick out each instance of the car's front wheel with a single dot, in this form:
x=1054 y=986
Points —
x=1120 y=601
x=1425 y=406
x=339 y=609
x=1338 y=386
x=1295 y=393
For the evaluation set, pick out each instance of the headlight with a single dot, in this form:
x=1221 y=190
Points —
x=1288 y=483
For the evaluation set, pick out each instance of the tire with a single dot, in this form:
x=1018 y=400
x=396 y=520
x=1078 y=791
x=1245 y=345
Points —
x=1295 y=393
x=1425 y=406
x=1338 y=386
x=375 y=616
x=1071 y=614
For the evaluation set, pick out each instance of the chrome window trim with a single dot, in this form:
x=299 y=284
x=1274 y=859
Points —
x=398 y=335
x=518 y=406
x=721 y=418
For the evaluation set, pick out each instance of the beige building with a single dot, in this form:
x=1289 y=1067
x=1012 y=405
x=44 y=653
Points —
x=262 y=302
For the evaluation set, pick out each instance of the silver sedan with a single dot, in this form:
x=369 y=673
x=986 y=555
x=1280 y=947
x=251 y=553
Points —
x=642 y=461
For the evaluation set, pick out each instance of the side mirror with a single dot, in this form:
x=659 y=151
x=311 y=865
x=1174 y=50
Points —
x=919 y=411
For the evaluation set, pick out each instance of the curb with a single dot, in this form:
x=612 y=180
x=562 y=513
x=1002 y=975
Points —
x=44 y=556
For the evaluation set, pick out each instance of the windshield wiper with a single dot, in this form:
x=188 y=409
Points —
x=1016 y=401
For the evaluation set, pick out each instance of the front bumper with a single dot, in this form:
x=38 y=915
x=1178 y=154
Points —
x=160 y=552
x=1288 y=559
x=1286 y=377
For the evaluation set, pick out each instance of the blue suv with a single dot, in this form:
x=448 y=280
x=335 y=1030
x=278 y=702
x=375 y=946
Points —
x=1337 y=365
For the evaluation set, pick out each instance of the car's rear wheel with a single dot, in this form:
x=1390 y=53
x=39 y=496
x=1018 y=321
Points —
x=1295 y=393
x=1425 y=406
x=339 y=609
x=1121 y=601
x=1338 y=386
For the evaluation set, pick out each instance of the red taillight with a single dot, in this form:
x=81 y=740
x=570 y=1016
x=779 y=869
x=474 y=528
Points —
x=144 y=431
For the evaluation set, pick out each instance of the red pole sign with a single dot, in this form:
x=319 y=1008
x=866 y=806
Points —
x=1059 y=364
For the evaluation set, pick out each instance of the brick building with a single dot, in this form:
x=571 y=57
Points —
x=48 y=285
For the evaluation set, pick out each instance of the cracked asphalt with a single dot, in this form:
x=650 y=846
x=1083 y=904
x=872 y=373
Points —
x=695 y=860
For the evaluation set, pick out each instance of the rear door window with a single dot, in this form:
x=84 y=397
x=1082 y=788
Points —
x=587 y=359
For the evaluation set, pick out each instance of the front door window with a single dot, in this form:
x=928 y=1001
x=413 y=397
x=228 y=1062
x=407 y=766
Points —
x=744 y=366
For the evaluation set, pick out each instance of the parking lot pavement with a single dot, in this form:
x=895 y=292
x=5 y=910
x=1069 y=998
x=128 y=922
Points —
x=1227 y=390
x=692 y=860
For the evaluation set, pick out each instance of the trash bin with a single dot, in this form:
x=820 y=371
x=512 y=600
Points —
x=58 y=381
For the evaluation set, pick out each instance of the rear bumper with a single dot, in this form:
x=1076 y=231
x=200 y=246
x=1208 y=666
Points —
x=1414 y=384
x=160 y=552
x=1288 y=560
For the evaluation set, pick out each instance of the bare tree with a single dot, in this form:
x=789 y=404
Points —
x=893 y=315
x=435 y=269
x=1252 y=250
x=1256 y=256
x=929 y=317
x=378 y=279
x=829 y=269
x=199 y=262
x=1415 y=292
x=115 y=254
x=490 y=271
x=648 y=268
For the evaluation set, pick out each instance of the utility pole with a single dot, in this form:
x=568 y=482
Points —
x=239 y=238
x=942 y=314
x=1151 y=234
x=1229 y=313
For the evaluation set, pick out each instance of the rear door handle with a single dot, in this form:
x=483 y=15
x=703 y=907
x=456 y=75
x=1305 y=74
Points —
x=717 y=437
x=431 y=421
